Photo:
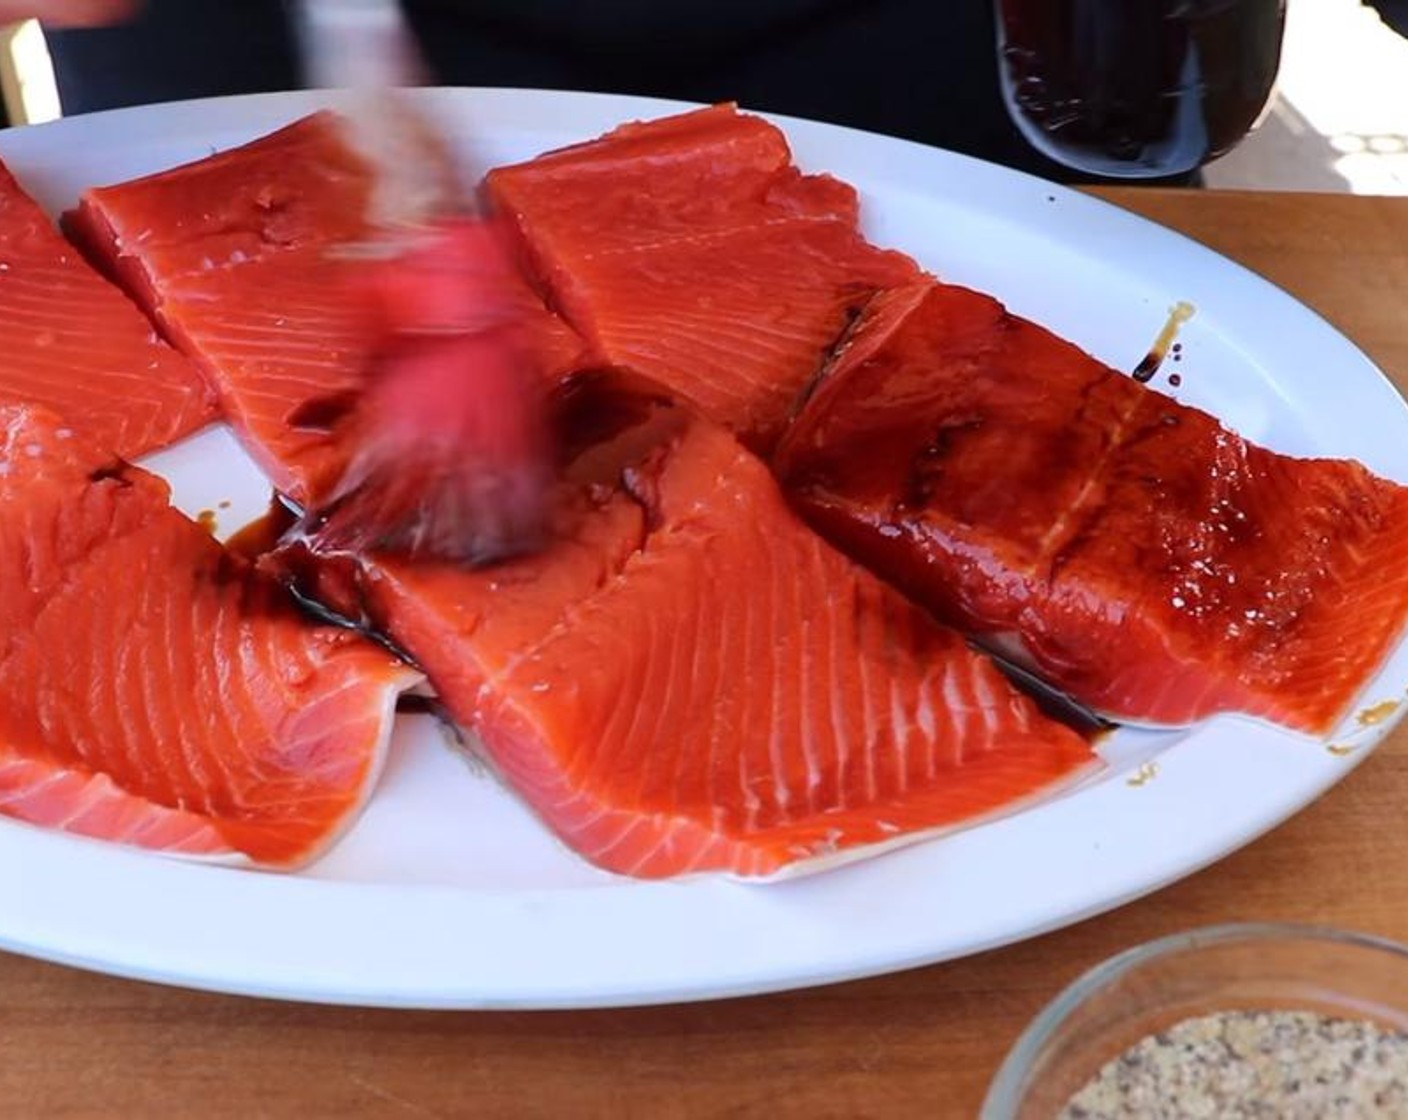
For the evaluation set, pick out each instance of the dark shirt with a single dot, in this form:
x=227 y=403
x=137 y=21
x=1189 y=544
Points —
x=920 y=69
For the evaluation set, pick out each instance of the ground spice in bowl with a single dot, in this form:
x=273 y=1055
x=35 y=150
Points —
x=1244 y=1020
x=1236 y=1064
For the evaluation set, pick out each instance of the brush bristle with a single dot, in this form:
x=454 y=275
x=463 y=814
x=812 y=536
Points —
x=452 y=459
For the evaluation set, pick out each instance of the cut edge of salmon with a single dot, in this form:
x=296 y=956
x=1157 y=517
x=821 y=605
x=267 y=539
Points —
x=621 y=144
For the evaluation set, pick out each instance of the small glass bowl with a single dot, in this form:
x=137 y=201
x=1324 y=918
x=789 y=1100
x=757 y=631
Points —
x=1252 y=967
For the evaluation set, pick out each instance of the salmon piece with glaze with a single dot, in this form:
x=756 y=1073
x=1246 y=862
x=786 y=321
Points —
x=1128 y=548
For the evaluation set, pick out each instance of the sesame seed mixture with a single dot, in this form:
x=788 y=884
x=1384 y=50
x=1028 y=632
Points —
x=1296 y=1065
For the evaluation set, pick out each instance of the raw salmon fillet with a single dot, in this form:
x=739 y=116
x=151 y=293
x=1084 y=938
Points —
x=1130 y=549
x=237 y=257
x=690 y=680
x=154 y=689
x=691 y=252
x=75 y=344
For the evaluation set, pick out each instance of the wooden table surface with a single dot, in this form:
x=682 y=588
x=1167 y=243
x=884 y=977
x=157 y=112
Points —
x=919 y=1043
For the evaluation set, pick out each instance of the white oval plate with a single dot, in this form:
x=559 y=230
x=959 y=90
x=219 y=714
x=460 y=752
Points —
x=449 y=894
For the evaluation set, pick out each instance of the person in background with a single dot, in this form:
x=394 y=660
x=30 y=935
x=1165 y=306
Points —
x=917 y=69
x=171 y=50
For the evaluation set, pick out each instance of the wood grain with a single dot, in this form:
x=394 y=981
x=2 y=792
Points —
x=920 y=1043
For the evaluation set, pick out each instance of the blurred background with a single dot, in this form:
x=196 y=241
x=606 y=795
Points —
x=1339 y=121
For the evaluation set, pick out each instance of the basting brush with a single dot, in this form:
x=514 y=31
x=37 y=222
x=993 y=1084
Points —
x=451 y=457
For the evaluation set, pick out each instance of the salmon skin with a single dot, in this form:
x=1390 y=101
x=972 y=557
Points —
x=1129 y=549
x=689 y=680
x=194 y=712
x=259 y=289
x=690 y=252
x=75 y=344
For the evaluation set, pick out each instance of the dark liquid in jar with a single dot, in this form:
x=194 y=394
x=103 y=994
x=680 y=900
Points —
x=1137 y=88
